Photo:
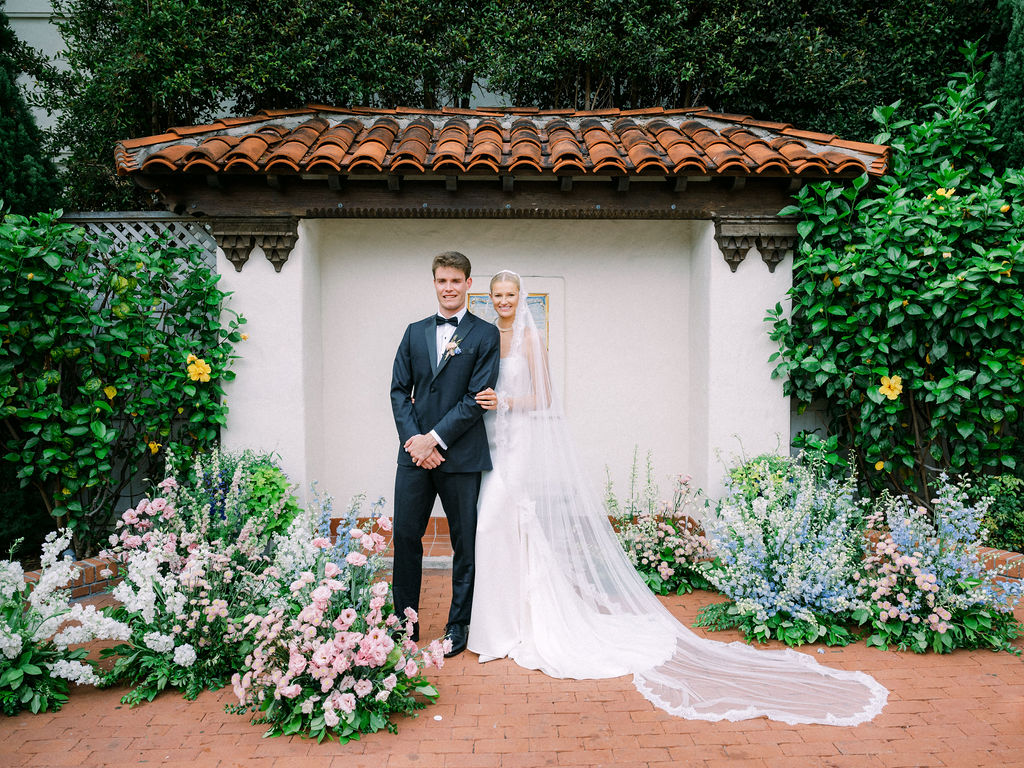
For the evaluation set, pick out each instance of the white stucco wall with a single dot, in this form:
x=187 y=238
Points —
x=654 y=342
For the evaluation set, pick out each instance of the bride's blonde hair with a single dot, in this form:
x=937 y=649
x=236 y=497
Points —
x=505 y=276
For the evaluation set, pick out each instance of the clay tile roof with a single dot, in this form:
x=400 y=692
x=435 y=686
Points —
x=498 y=140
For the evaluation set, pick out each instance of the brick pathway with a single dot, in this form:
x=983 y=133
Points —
x=964 y=709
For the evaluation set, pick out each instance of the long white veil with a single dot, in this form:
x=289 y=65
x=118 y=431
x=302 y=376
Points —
x=591 y=614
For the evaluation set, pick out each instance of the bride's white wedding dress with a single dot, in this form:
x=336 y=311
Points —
x=554 y=591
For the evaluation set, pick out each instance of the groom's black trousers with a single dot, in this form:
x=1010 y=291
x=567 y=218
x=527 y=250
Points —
x=415 y=491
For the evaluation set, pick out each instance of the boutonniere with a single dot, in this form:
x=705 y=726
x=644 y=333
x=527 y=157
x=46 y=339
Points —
x=451 y=349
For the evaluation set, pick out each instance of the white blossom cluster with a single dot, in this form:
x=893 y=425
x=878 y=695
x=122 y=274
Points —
x=92 y=625
x=185 y=655
x=12 y=579
x=74 y=671
x=158 y=641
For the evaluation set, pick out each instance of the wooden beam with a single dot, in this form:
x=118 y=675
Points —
x=508 y=183
x=622 y=184
x=565 y=183
x=451 y=183
x=394 y=182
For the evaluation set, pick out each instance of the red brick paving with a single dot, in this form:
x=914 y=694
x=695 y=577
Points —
x=963 y=709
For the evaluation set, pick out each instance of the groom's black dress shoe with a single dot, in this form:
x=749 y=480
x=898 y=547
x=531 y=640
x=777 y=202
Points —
x=459 y=635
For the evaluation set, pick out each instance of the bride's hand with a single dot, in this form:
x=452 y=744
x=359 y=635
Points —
x=487 y=399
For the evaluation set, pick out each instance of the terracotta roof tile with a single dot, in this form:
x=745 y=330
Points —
x=498 y=140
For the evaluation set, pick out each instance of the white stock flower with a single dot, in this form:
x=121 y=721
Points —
x=10 y=642
x=185 y=655
x=159 y=642
x=74 y=671
x=92 y=625
x=12 y=579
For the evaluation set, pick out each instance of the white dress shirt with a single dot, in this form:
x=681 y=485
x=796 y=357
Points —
x=445 y=332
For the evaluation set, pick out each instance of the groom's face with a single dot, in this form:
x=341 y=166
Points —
x=451 y=285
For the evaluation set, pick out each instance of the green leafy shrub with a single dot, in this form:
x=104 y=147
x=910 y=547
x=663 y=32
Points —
x=908 y=301
x=1004 y=518
x=219 y=492
x=106 y=355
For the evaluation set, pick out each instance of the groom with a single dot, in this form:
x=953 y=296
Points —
x=442 y=362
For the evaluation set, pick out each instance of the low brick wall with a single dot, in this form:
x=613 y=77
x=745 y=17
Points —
x=89 y=581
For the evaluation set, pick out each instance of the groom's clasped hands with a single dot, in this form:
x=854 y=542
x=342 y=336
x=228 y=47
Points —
x=423 y=451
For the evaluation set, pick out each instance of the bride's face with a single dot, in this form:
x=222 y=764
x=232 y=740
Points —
x=505 y=298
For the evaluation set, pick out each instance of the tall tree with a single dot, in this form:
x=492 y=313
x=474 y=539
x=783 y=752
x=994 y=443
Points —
x=140 y=66
x=27 y=174
x=1006 y=83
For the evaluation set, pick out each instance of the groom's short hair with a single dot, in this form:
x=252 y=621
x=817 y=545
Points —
x=452 y=259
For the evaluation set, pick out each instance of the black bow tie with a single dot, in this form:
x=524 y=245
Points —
x=442 y=320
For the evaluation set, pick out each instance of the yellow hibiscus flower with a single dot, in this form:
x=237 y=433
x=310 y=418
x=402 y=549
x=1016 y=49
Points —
x=110 y=392
x=891 y=387
x=879 y=465
x=199 y=370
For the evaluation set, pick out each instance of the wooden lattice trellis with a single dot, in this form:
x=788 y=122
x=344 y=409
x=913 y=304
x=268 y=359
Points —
x=124 y=227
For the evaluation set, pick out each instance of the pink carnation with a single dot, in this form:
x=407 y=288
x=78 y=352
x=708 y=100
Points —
x=331 y=570
x=363 y=687
x=384 y=522
x=411 y=670
x=321 y=543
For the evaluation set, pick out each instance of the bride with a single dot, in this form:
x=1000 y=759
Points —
x=555 y=592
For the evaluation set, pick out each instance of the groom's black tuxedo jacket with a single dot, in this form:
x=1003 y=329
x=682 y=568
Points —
x=444 y=392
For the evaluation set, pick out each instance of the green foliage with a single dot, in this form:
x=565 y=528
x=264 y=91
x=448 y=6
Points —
x=219 y=492
x=28 y=179
x=1006 y=84
x=828 y=629
x=907 y=308
x=1004 y=519
x=94 y=369
x=26 y=683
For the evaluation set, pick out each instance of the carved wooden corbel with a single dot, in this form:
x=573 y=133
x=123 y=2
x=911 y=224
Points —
x=277 y=241
x=736 y=235
x=276 y=235
x=773 y=248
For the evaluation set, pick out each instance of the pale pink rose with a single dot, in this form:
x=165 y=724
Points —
x=356 y=558
x=341 y=664
x=170 y=482
x=384 y=522
x=380 y=589
x=321 y=596
x=347 y=702
x=410 y=614
x=321 y=543
x=355 y=533
x=411 y=670
x=157 y=505
x=291 y=691
x=331 y=718
x=390 y=682
x=363 y=688
x=382 y=695
x=331 y=570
